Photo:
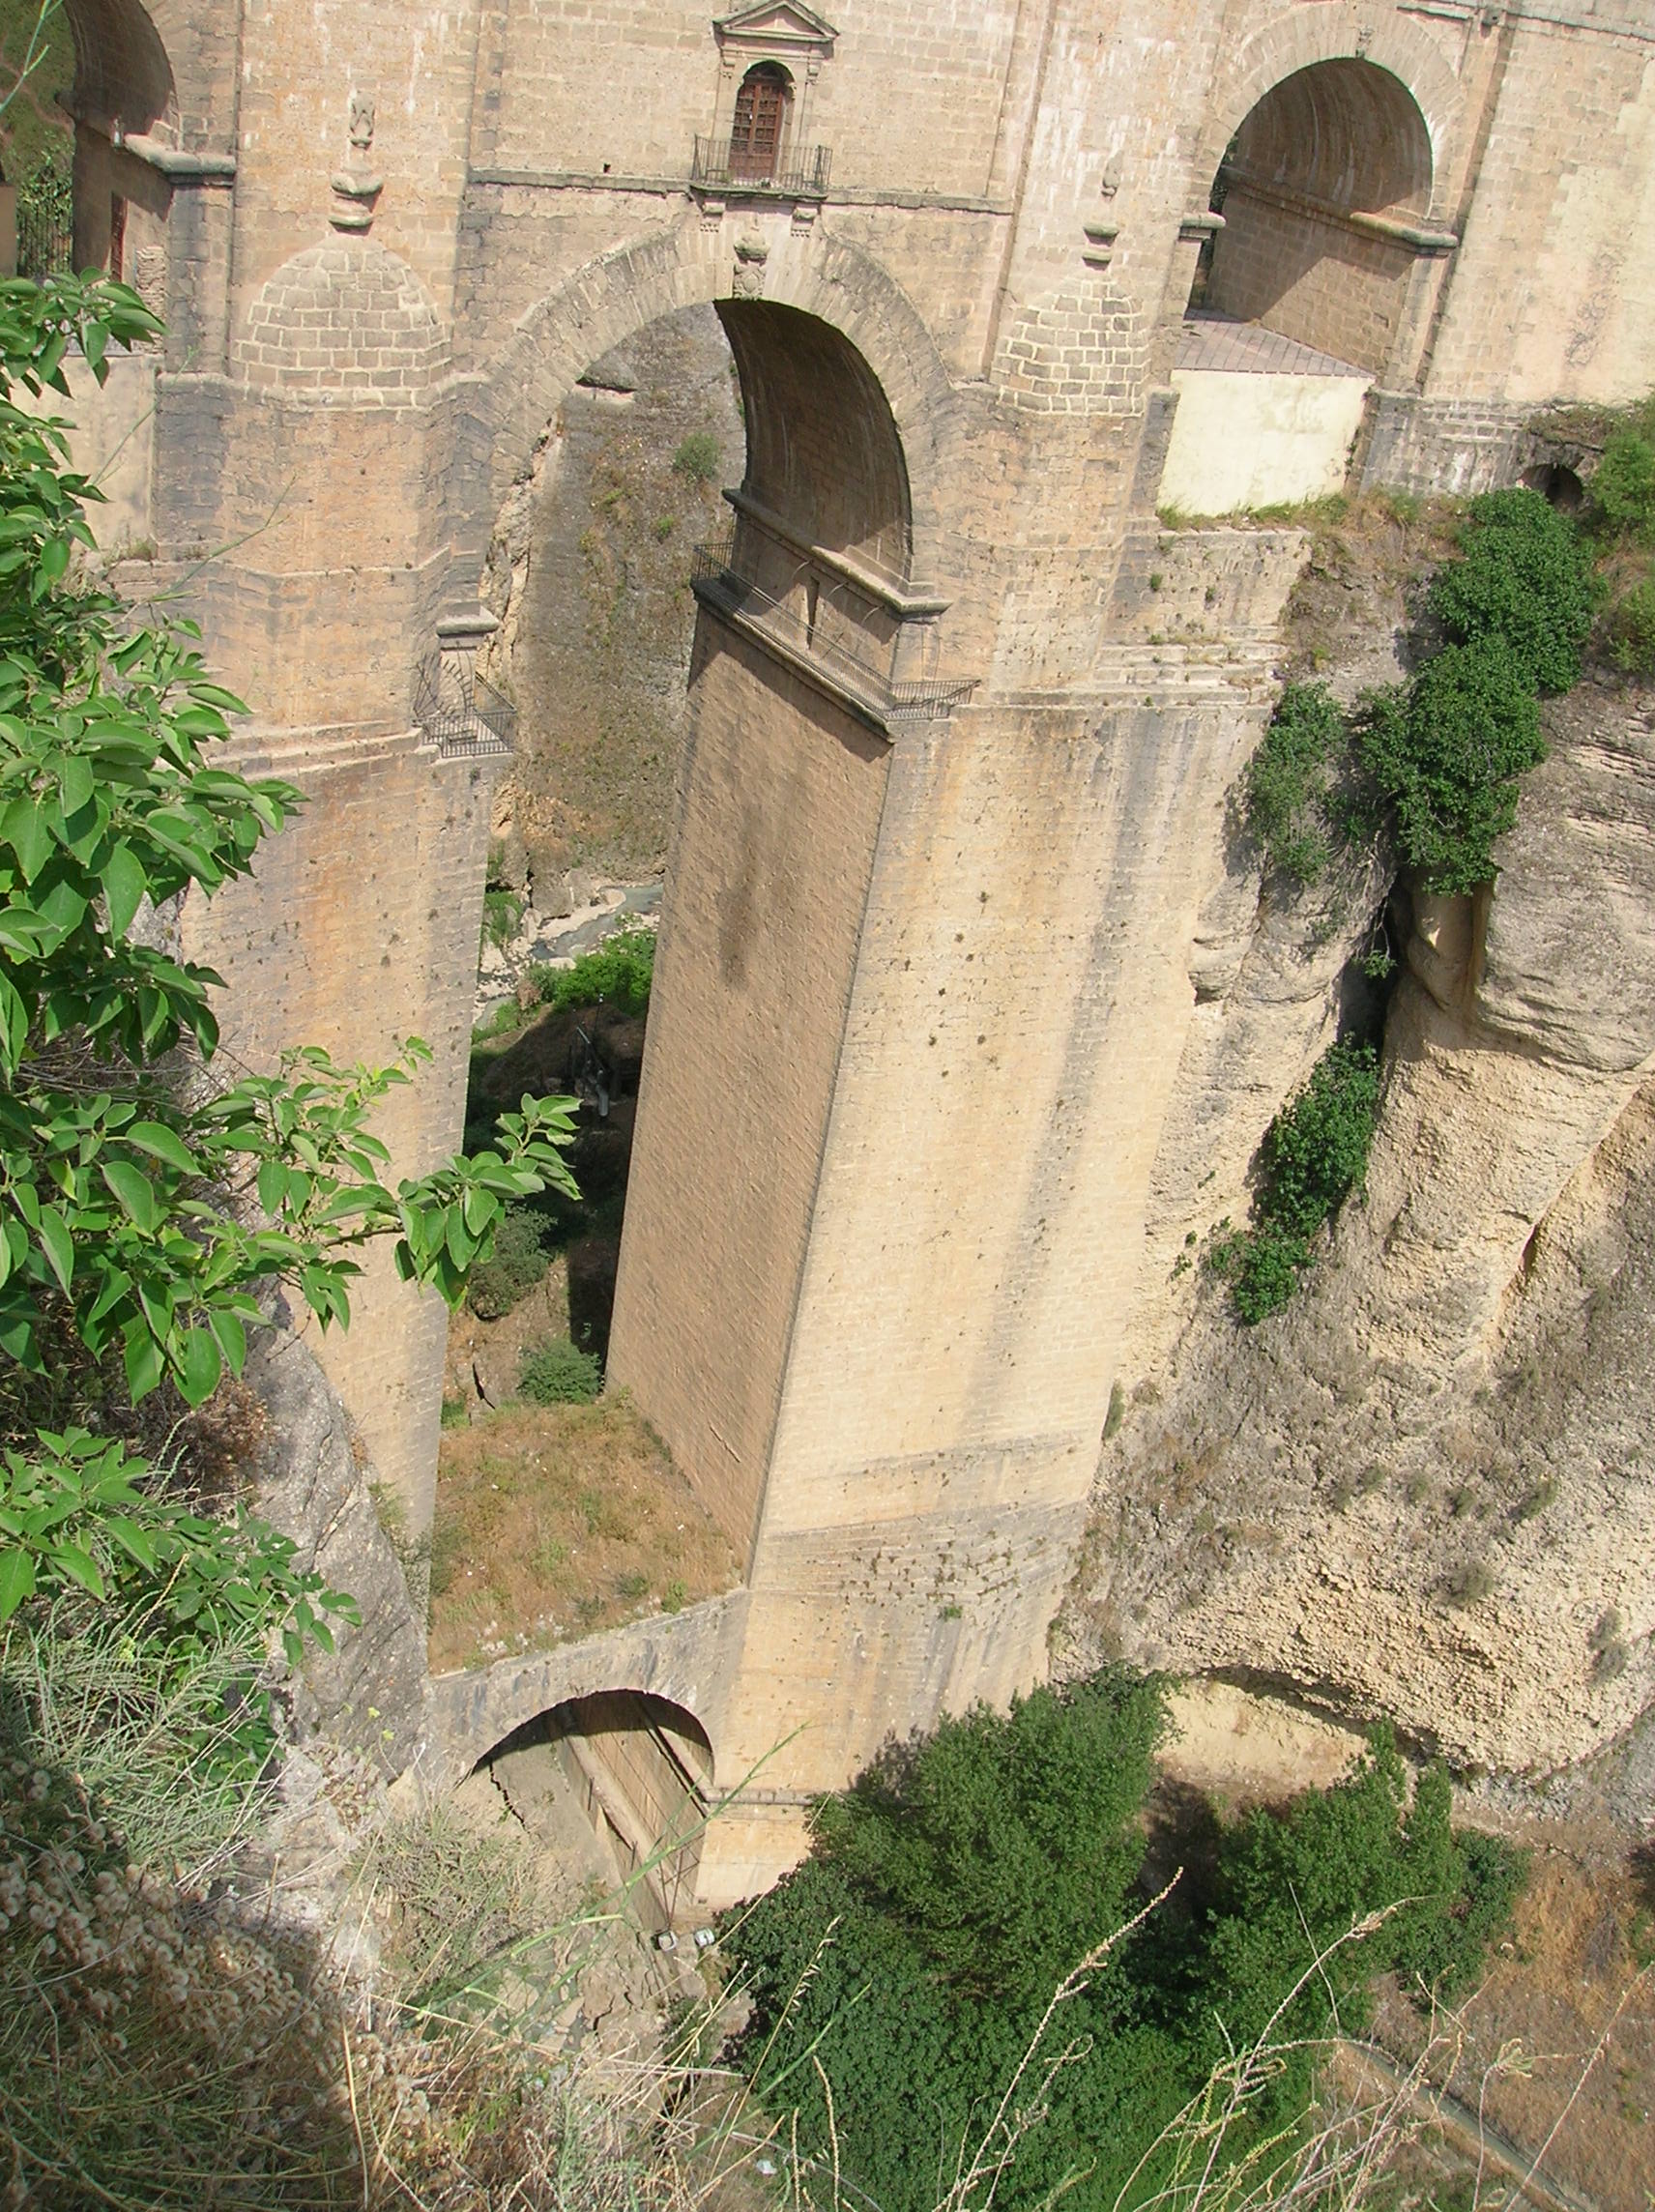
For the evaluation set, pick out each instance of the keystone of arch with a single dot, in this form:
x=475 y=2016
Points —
x=1293 y=41
x=612 y=297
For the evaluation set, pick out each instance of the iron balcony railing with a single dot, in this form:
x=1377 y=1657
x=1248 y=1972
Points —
x=721 y=165
x=716 y=578
x=460 y=713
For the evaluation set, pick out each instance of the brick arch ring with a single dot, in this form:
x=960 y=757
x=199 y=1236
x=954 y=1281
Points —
x=1281 y=48
x=614 y=295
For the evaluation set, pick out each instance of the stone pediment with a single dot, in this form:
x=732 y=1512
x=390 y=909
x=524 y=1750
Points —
x=777 y=26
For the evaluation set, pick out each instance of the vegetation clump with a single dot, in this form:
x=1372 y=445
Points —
x=558 y=1373
x=1446 y=755
x=1313 y=1154
x=903 y=1977
x=1523 y=585
x=617 y=973
x=1288 y=782
x=519 y=1260
x=698 y=457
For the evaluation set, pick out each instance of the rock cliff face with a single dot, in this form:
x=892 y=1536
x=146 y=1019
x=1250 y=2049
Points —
x=314 y=1483
x=1426 y=1487
x=590 y=575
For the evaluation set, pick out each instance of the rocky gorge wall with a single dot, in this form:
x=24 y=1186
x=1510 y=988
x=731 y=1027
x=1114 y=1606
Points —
x=1422 y=1489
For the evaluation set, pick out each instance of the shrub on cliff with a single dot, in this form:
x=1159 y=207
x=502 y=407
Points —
x=1288 y=782
x=1623 y=489
x=1523 y=581
x=906 y=1970
x=1313 y=1154
x=1446 y=757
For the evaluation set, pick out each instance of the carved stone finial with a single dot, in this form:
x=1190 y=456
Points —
x=356 y=187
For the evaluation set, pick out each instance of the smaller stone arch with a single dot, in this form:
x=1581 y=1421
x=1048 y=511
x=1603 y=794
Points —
x=346 y=324
x=1292 y=43
x=639 y=1768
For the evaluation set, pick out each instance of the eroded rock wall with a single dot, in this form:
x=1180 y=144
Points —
x=1423 y=1488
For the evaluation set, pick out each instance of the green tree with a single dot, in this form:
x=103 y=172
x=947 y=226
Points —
x=1524 y=581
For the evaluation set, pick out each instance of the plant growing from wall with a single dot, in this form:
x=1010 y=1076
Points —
x=1313 y=1154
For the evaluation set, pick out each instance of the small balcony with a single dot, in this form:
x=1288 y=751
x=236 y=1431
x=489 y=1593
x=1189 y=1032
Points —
x=458 y=713
x=791 y=173
x=856 y=666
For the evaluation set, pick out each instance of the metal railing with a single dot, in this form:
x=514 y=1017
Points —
x=460 y=713
x=721 y=165
x=715 y=578
x=46 y=244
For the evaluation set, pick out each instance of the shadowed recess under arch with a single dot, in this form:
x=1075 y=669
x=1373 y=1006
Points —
x=823 y=448
x=121 y=69
x=1322 y=182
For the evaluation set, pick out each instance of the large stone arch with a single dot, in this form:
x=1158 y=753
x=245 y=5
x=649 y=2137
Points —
x=1296 y=41
x=686 y=265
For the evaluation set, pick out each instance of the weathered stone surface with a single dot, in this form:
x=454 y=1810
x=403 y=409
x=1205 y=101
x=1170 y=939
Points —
x=1424 y=1487
x=315 y=1485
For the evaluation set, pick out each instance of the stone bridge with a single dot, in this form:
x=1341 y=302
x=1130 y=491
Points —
x=964 y=712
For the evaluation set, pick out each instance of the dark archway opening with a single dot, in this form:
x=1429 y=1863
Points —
x=1558 y=484
x=1317 y=192
x=638 y=1769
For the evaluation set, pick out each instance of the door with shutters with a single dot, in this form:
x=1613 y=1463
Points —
x=761 y=117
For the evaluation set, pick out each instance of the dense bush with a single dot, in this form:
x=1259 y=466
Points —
x=1287 y=781
x=1631 y=629
x=519 y=1261
x=1446 y=756
x=954 y=1887
x=1523 y=581
x=1313 y=1154
x=558 y=1373
x=1623 y=490
x=618 y=973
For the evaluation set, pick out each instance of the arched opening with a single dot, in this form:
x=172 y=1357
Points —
x=123 y=90
x=701 y=1132
x=758 y=128
x=1319 y=192
x=637 y=1769
x=1557 y=484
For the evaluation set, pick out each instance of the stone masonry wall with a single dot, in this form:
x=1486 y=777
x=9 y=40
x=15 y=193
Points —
x=781 y=798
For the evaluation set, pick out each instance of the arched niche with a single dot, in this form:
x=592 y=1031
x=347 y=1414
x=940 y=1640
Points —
x=1324 y=193
x=640 y=1768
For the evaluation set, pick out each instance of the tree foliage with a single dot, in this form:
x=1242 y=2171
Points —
x=144 y=1203
x=959 y=1880
x=1313 y=1154
x=138 y=1201
x=1523 y=585
x=1447 y=756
